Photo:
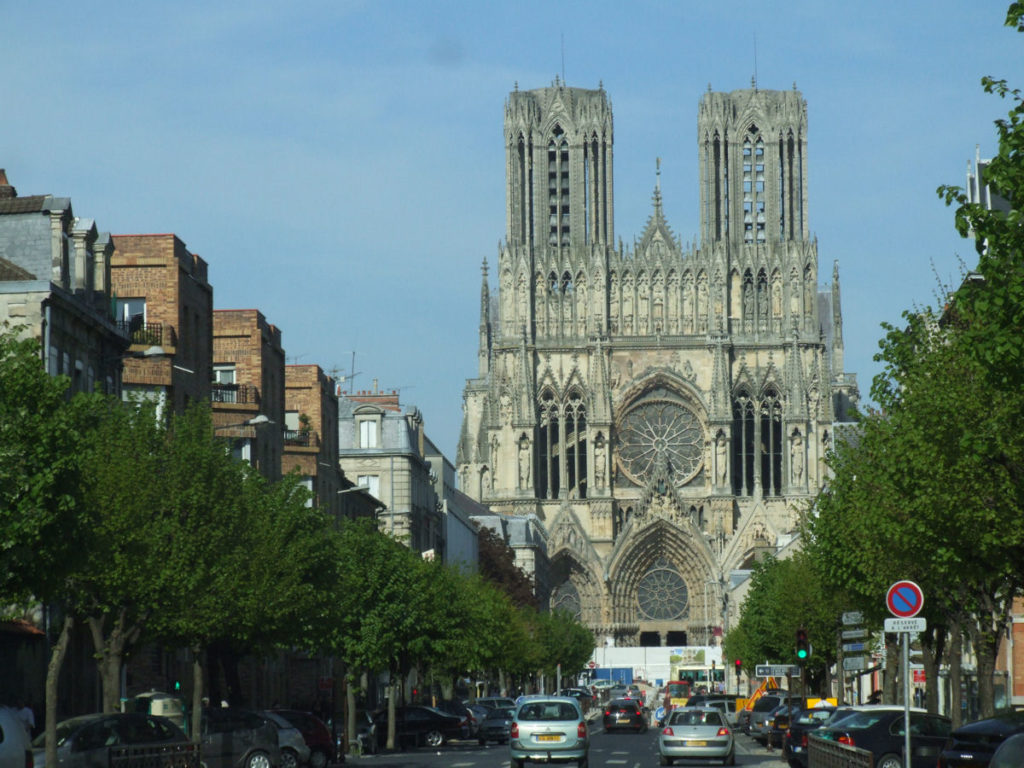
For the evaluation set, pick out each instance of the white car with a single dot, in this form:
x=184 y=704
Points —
x=15 y=745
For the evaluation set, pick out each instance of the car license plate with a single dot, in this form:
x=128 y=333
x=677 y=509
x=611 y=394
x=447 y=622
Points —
x=623 y=719
x=548 y=737
x=690 y=743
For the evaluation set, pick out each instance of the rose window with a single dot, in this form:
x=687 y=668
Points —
x=661 y=424
x=661 y=594
x=566 y=598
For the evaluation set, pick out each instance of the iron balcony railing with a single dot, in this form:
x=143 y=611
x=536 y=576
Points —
x=234 y=393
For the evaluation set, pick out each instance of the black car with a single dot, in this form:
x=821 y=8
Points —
x=496 y=726
x=779 y=724
x=794 y=743
x=880 y=730
x=420 y=725
x=238 y=738
x=624 y=713
x=972 y=745
x=87 y=740
x=583 y=696
x=460 y=710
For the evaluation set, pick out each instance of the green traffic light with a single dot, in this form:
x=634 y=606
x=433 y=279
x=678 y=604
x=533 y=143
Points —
x=801 y=653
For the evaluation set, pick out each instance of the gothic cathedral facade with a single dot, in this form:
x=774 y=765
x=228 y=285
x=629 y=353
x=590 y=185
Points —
x=663 y=409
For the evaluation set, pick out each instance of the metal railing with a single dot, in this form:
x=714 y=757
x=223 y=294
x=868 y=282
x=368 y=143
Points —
x=823 y=753
x=173 y=755
x=150 y=334
x=298 y=437
x=234 y=393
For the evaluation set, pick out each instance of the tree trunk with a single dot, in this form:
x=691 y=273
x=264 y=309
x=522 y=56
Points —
x=197 y=694
x=351 y=731
x=955 y=675
x=986 y=645
x=890 y=679
x=52 y=673
x=110 y=655
x=392 y=695
x=931 y=656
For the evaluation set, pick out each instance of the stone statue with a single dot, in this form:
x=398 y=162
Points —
x=600 y=459
x=524 y=464
x=796 y=456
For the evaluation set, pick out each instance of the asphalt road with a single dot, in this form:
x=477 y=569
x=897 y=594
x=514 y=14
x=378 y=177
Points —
x=607 y=750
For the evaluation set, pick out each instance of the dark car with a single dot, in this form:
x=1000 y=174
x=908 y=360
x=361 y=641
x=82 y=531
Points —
x=759 y=712
x=87 y=741
x=233 y=737
x=460 y=710
x=972 y=745
x=492 y=702
x=624 y=713
x=794 y=743
x=880 y=730
x=779 y=724
x=420 y=725
x=496 y=726
x=1010 y=753
x=583 y=696
x=315 y=732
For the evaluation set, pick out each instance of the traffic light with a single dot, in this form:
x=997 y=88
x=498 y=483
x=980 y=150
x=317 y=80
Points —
x=803 y=647
x=739 y=667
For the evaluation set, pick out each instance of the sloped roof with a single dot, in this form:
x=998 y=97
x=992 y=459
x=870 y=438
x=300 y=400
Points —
x=12 y=272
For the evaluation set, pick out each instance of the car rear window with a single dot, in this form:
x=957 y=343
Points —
x=766 y=703
x=694 y=717
x=548 y=710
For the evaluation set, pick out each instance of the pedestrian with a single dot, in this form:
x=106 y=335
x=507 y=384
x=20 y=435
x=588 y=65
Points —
x=27 y=717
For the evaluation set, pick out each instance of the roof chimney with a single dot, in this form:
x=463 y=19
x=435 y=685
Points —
x=6 y=190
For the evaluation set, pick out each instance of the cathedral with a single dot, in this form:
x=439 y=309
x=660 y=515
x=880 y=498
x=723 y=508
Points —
x=665 y=409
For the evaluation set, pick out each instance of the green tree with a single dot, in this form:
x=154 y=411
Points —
x=48 y=534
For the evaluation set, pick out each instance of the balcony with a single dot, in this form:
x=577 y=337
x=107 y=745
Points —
x=234 y=393
x=301 y=438
x=150 y=334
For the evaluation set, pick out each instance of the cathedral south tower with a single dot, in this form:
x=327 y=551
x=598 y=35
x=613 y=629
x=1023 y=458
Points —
x=664 y=409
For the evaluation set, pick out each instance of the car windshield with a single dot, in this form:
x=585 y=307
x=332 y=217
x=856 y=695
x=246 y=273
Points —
x=501 y=713
x=64 y=730
x=861 y=720
x=677 y=690
x=694 y=717
x=812 y=717
x=548 y=710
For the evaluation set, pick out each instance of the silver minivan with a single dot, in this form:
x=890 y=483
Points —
x=548 y=729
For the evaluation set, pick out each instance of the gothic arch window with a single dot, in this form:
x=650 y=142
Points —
x=771 y=442
x=558 y=188
x=661 y=594
x=743 y=444
x=659 y=423
x=562 y=447
x=748 y=301
x=566 y=283
x=565 y=597
x=575 y=445
x=762 y=300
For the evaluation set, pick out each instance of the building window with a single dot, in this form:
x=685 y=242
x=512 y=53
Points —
x=368 y=433
x=225 y=384
x=371 y=483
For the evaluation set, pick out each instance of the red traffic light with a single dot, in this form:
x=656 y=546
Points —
x=739 y=663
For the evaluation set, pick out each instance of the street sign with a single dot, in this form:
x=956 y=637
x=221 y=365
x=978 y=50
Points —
x=592 y=664
x=853 y=646
x=904 y=599
x=850 y=618
x=855 y=663
x=906 y=625
x=776 y=670
x=854 y=634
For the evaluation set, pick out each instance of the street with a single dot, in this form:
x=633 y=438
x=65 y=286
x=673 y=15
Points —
x=607 y=750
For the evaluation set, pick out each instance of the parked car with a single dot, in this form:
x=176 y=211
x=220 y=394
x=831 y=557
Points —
x=496 y=726
x=636 y=692
x=295 y=751
x=1010 y=753
x=972 y=745
x=86 y=741
x=316 y=734
x=460 y=710
x=549 y=729
x=420 y=725
x=624 y=713
x=794 y=743
x=15 y=744
x=492 y=702
x=723 y=701
x=583 y=696
x=233 y=737
x=880 y=730
x=696 y=732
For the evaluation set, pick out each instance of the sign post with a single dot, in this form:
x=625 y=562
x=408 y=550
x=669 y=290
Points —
x=904 y=601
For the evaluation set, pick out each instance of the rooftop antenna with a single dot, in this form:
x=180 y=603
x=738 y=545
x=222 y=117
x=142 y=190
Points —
x=346 y=378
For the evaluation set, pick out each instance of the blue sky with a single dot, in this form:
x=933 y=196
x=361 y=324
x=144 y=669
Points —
x=340 y=164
